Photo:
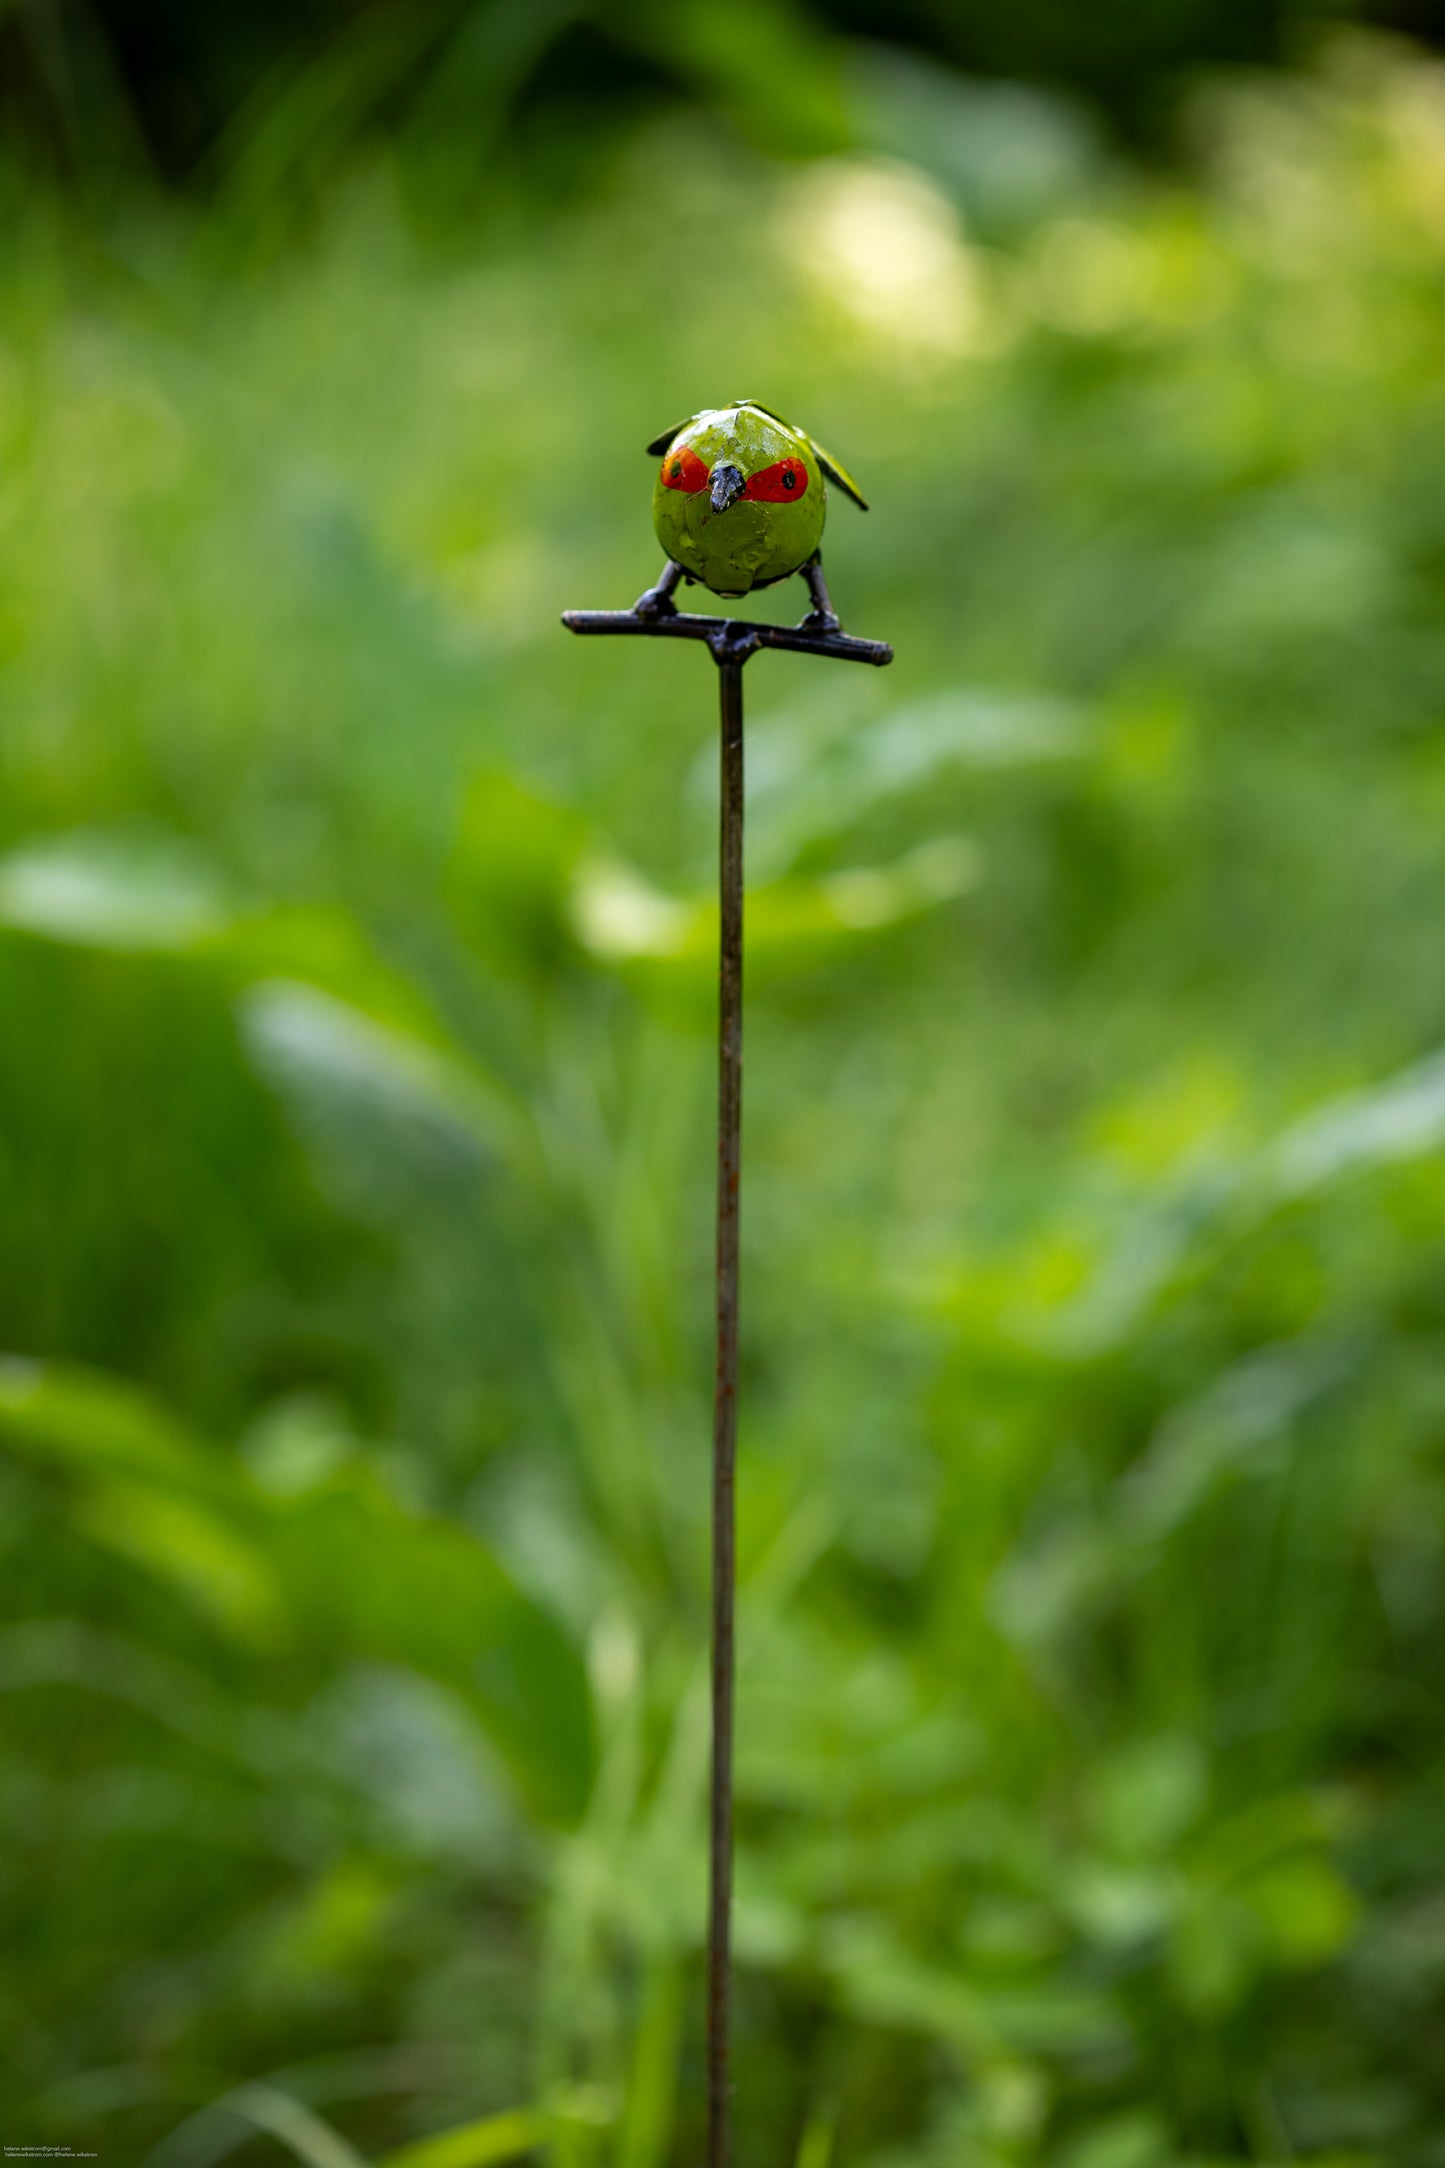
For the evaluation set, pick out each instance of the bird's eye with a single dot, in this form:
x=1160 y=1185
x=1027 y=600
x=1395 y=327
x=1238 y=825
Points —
x=685 y=471
x=788 y=479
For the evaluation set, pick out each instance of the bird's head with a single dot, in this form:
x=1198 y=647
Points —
x=736 y=461
x=744 y=454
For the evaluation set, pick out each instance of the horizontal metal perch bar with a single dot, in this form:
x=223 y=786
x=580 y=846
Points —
x=731 y=639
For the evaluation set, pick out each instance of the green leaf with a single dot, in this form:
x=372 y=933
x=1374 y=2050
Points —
x=1387 y=1124
x=308 y=1041
x=218 y=1568
x=342 y=1568
x=1135 y=2140
x=620 y=917
x=265 y=2107
x=1307 y=1911
x=113 y=891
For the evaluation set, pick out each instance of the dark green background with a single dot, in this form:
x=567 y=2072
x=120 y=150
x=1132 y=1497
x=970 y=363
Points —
x=186 y=75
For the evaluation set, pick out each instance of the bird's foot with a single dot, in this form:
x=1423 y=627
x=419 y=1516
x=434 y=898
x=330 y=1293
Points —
x=656 y=602
x=821 y=621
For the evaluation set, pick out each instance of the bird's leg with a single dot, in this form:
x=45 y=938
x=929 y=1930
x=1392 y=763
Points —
x=658 y=602
x=822 y=617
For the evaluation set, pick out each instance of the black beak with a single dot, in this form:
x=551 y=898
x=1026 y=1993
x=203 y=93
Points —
x=728 y=483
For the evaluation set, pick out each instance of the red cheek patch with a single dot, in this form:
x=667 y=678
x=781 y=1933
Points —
x=683 y=470
x=782 y=484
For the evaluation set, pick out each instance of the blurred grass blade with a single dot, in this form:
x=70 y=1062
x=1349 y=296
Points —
x=113 y=891
x=215 y=1565
x=815 y=2146
x=398 y=1123
x=651 y=2103
x=1384 y=1125
x=266 y=2108
x=304 y=1036
x=308 y=116
x=98 y=1423
x=474 y=2145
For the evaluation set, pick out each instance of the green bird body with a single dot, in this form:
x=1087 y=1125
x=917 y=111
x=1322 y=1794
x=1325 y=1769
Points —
x=740 y=501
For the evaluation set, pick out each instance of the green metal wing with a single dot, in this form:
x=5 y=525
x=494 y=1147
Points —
x=659 y=445
x=838 y=474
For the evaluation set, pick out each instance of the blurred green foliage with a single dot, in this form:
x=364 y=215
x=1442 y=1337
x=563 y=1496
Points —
x=180 y=89
x=355 y=1131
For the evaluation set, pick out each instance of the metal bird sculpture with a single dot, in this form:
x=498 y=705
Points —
x=739 y=503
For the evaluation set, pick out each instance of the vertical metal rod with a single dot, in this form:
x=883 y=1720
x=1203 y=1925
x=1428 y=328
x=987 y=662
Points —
x=729 y=1128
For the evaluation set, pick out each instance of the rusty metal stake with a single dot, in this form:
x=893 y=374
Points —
x=725 y=1401
x=730 y=643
